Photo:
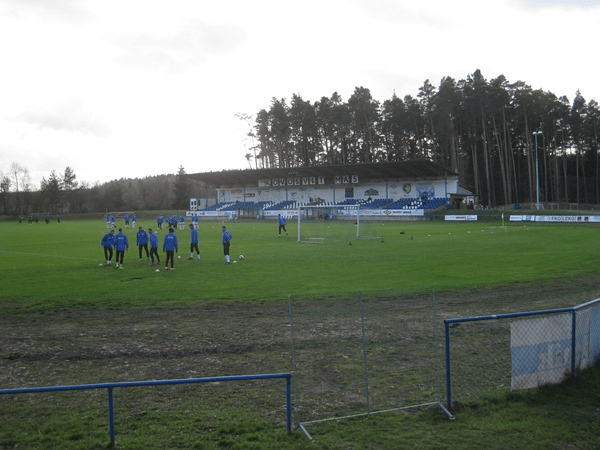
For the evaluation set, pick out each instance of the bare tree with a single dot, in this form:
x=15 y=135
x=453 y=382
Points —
x=247 y=118
x=21 y=180
x=4 y=189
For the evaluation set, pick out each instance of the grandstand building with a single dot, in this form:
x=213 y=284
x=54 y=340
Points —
x=377 y=188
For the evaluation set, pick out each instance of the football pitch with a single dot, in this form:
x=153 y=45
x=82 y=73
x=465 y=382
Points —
x=57 y=265
x=68 y=320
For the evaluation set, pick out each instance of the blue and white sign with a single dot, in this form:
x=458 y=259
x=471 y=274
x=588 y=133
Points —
x=557 y=218
x=463 y=217
x=540 y=350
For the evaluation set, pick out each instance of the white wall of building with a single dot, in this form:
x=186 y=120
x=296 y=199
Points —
x=200 y=203
x=338 y=192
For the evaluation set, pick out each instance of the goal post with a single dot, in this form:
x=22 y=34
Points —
x=120 y=214
x=320 y=223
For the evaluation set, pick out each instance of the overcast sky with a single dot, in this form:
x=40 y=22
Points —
x=134 y=88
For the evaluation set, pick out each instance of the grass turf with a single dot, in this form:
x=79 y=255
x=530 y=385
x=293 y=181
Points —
x=57 y=265
x=54 y=293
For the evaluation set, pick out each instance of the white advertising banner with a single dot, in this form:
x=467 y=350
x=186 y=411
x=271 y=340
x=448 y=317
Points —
x=563 y=219
x=467 y=217
x=392 y=212
x=540 y=351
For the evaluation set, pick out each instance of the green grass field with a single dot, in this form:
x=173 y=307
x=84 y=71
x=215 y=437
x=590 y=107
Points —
x=57 y=265
x=66 y=320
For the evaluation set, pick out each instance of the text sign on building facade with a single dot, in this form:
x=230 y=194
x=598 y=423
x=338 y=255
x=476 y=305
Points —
x=305 y=181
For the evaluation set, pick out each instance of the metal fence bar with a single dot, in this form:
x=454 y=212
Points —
x=448 y=371
x=573 y=340
x=585 y=305
x=508 y=315
x=450 y=323
x=363 y=354
x=111 y=416
x=124 y=384
x=364 y=349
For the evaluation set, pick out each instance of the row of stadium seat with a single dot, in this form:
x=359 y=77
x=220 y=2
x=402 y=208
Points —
x=287 y=204
x=430 y=203
x=405 y=203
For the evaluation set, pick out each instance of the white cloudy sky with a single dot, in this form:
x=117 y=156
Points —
x=135 y=88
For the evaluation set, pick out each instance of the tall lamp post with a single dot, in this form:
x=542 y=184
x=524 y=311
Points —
x=537 y=170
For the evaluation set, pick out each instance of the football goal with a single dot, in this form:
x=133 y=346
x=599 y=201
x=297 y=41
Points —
x=317 y=224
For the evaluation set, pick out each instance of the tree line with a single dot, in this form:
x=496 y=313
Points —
x=507 y=142
x=61 y=193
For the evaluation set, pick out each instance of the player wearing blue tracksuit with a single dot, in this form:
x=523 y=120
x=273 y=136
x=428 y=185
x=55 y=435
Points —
x=226 y=240
x=121 y=246
x=193 y=242
x=153 y=246
x=170 y=246
x=141 y=239
x=107 y=242
x=282 y=222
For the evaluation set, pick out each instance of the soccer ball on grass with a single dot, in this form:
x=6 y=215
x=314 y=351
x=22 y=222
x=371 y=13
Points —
x=241 y=257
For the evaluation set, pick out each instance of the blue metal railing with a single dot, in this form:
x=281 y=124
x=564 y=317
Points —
x=449 y=323
x=124 y=384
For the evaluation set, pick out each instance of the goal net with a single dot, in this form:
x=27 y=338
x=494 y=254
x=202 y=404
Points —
x=120 y=215
x=318 y=224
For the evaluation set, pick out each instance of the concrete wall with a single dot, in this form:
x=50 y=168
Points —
x=337 y=193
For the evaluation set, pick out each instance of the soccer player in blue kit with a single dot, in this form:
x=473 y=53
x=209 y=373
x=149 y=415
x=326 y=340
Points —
x=141 y=239
x=170 y=246
x=282 y=222
x=226 y=240
x=153 y=246
x=121 y=246
x=193 y=242
x=108 y=242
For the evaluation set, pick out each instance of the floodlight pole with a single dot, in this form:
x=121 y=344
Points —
x=537 y=170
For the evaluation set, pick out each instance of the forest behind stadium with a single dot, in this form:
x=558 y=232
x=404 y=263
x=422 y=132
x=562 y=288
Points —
x=493 y=133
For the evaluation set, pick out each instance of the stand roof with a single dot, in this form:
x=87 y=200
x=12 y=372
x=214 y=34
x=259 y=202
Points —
x=413 y=170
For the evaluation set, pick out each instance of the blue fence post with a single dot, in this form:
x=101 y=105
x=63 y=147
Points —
x=573 y=341
x=448 y=376
x=288 y=401
x=111 y=416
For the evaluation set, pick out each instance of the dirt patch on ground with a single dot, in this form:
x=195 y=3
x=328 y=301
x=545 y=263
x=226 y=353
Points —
x=88 y=346
x=82 y=346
